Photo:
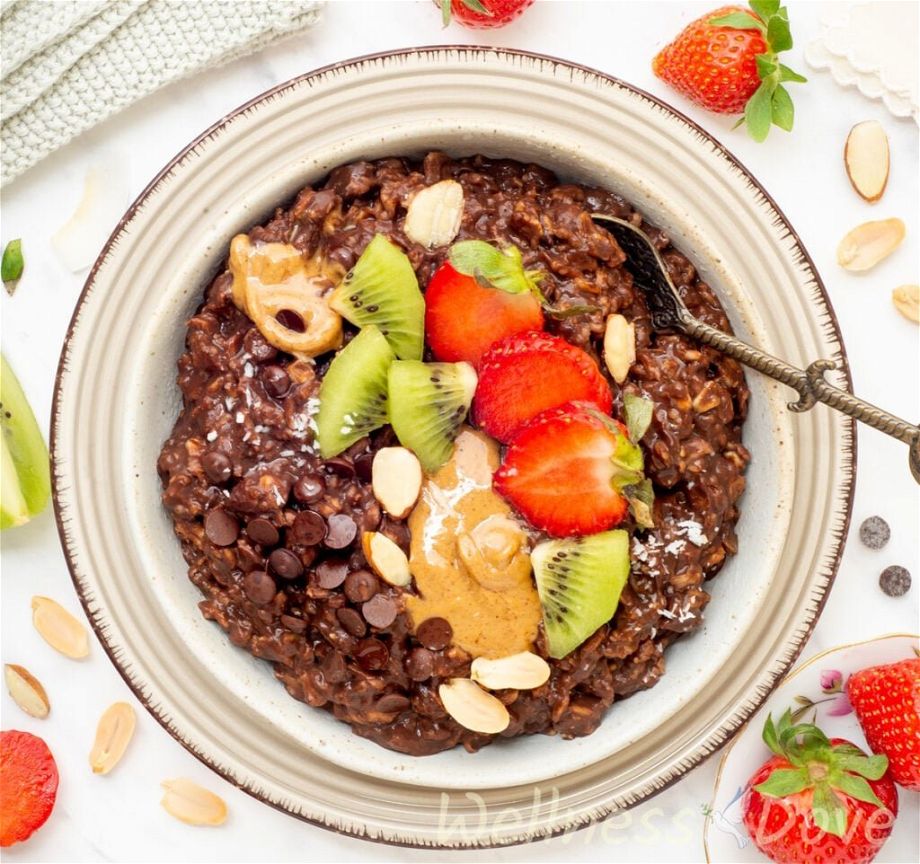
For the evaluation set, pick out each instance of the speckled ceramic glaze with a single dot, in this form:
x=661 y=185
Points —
x=116 y=401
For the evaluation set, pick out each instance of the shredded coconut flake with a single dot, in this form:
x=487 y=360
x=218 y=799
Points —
x=694 y=532
x=212 y=435
x=239 y=417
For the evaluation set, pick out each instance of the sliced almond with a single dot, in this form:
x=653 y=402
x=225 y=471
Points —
x=396 y=478
x=27 y=691
x=869 y=243
x=619 y=347
x=193 y=804
x=388 y=560
x=472 y=707
x=59 y=628
x=906 y=299
x=523 y=671
x=434 y=214
x=867 y=159
x=113 y=734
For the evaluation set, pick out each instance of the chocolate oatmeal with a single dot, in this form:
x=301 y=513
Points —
x=272 y=532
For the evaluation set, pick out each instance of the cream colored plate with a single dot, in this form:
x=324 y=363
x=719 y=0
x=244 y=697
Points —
x=116 y=402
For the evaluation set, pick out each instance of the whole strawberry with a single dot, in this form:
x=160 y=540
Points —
x=886 y=700
x=818 y=799
x=727 y=62
x=482 y=14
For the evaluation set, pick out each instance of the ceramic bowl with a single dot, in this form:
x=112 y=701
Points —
x=116 y=401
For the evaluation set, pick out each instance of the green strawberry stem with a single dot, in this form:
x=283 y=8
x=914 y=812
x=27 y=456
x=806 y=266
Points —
x=771 y=103
x=821 y=766
x=474 y=5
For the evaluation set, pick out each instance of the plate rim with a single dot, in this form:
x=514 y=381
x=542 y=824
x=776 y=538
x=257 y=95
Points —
x=845 y=486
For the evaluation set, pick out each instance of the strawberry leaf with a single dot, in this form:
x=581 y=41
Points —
x=477 y=7
x=12 y=265
x=758 y=113
x=638 y=411
x=872 y=767
x=783 y=782
x=765 y=8
x=783 y=109
x=770 y=737
x=787 y=74
x=829 y=813
x=445 y=12
x=855 y=787
x=779 y=36
x=560 y=313
x=766 y=64
x=737 y=21
x=494 y=268
x=641 y=498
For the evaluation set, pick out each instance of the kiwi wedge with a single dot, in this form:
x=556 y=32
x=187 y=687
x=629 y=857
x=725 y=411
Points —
x=428 y=402
x=353 y=395
x=382 y=289
x=579 y=581
x=25 y=476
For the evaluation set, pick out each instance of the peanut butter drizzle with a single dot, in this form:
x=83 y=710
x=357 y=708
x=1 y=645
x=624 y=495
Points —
x=469 y=558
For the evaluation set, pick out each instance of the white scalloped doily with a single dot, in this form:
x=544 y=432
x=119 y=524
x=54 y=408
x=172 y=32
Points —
x=872 y=46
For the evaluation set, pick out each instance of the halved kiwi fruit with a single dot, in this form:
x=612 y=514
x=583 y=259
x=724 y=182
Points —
x=428 y=402
x=353 y=395
x=382 y=289
x=579 y=581
x=25 y=476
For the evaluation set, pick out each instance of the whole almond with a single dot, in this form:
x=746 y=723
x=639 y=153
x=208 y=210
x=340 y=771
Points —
x=396 y=478
x=869 y=243
x=27 y=691
x=193 y=804
x=472 y=707
x=619 y=347
x=388 y=561
x=906 y=299
x=113 y=734
x=59 y=628
x=434 y=214
x=523 y=671
x=866 y=158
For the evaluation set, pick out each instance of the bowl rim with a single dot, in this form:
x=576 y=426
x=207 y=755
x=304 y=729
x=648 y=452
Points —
x=846 y=484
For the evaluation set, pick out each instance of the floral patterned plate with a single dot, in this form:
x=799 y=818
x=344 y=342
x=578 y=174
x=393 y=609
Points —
x=814 y=690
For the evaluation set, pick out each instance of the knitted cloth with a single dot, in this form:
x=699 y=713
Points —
x=69 y=64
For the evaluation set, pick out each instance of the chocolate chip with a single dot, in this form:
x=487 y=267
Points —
x=391 y=703
x=340 y=531
x=275 y=381
x=308 y=528
x=434 y=633
x=221 y=528
x=420 y=664
x=285 y=563
x=259 y=587
x=874 y=532
x=340 y=467
x=309 y=489
x=334 y=669
x=216 y=467
x=379 y=611
x=330 y=574
x=351 y=621
x=361 y=585
x=363 y=467
x=895 y=580
x=295 y=625
x=262 y=532
x=371 y=654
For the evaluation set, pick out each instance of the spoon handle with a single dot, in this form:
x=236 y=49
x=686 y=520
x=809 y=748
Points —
x=810 y=385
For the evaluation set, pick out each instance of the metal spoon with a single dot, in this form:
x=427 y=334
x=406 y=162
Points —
x=668 y=312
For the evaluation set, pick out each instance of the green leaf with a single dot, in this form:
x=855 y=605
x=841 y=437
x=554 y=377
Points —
x=787 y=74
x=476 y=6
x=758 y=113
x=770 y=737
x=638 y=411
x=765 y=8
x=493 y=267
x=641 y=498
x=737 y=21
x=13 y=263
x=628 y=464
x=784 y=781
x=828 y=810
x=802 y=700
x=766 y=65
x=872 y=767
x=855 y=787
x=779 y=36
x=560 y=313
x=445 y=12
x=783 y=109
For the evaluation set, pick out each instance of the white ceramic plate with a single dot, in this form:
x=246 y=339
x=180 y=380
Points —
x=116 y=402
x=814 y=689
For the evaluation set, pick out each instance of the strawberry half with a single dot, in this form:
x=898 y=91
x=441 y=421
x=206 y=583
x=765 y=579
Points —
x=818 y=799
x=886 y=700
x=567 y=470
x=530 y=372
x=28 y=785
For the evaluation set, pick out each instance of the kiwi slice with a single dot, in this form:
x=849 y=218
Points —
x=25 y=477
x=428 y=402
x=579 y=581
x=353 y=395
x=382 y=289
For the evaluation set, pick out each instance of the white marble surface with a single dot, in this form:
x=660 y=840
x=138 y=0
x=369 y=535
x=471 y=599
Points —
x=117 y=817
